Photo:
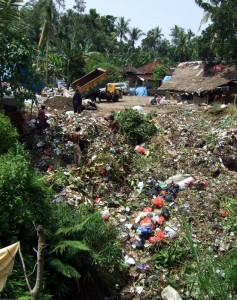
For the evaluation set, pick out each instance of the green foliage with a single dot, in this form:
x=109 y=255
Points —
x=8 y=134
x=216 y=109
x=9 y=13
x=159 y=72
x=171 y=255
x=135 y=126
x=84 y=247
x=16 y=66
x=23 y=196
x=65 y=270
x=97 y=60
x=231 y=220
x=209 y=276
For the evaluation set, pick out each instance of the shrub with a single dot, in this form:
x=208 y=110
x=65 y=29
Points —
x=135 y=126
x=84 y=251
x=8 y=134
x=23 y=196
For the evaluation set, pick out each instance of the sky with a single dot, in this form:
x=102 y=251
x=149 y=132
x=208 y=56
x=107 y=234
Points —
x=148 y=14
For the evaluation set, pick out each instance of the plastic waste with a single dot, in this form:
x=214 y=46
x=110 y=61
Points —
x=112 y=150
x=105 y=214
x=141 y=150
x=160 y=235
x=223 y=213
x=129 y=260
x=158 y=201
x=177 y=178
x=165 y=213
x=170 y=293
x=171 y=231
x=147 y=209
x=183 y=184
x=139 y=289
x=137 y=243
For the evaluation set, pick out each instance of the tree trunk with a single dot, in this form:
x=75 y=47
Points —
x=47 y=62
x=35 y=293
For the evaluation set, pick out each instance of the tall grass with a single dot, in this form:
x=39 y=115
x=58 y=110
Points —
x=213 y=277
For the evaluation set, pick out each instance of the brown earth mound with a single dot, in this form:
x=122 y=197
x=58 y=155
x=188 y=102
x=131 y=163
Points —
x=59 y=102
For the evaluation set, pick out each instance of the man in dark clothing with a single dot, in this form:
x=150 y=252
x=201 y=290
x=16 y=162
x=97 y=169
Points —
x=42 y=119
x=77 y=101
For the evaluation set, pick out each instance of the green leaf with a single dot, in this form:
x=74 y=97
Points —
x=73 y=247
x=65 y=269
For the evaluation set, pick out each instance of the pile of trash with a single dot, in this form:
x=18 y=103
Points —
x=146 y=191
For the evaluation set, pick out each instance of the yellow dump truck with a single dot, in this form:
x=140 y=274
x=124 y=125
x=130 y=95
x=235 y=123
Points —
x=90 y=83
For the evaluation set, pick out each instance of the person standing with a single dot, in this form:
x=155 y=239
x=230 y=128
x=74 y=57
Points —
x=76 y=148
x=77 y=100
x=42 y=118
x=114 y=129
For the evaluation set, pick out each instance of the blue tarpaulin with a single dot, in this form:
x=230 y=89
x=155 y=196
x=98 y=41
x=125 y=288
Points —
x=139 y=91
x=166 y=78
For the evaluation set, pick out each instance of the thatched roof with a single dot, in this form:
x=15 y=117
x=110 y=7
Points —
x=200 y=76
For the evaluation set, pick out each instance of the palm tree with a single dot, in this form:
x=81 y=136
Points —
x=49 y=15
x=135 y=34
x=152 y=39
x=208 y=9
x=9 y=13
x=122 y=28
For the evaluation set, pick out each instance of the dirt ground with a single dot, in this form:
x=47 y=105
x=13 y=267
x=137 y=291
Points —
x=62 y=103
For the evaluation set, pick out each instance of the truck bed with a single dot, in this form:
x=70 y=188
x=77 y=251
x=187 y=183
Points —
x=91 y=81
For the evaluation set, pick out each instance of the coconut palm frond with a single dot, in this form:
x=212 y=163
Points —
x=9 y=13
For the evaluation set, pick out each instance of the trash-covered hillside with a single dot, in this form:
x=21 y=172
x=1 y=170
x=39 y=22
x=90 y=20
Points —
x=171 y=197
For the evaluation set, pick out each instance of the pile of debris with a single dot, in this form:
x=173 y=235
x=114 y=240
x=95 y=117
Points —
x=187 y=173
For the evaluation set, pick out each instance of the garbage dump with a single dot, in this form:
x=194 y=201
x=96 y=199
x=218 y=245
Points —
x=185 y=171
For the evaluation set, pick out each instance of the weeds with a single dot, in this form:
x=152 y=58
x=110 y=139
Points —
x=231 y=220
x=171 y=255
x=210 y=277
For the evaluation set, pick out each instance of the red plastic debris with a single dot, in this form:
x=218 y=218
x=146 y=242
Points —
x=147 y=209
x=102 y=171
x=223 y=213
x=161 y=220
x=160 y=235
x=50 y=168
x=97 y=199
x=153 y=239
x=140 y=149
x=158 y=201
x=146 y=221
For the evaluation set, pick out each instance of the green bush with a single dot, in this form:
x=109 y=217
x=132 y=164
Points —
x=135 y=126
x=8 y=134
x=23 y=196
x=85 y=251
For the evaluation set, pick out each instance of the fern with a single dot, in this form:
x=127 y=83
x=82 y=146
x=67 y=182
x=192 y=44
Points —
x=72 y=247
x=64 y=269
x=75 y=228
